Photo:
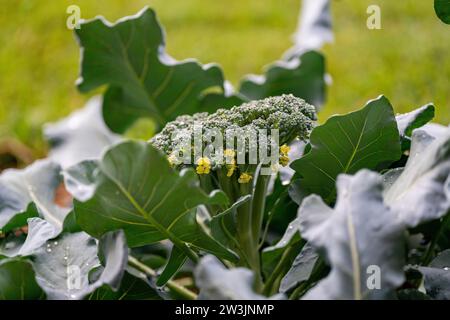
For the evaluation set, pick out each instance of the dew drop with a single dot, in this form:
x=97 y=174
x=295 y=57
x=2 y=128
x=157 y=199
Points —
x=55 y=243
x=49 y=250
x=446 y=268
x=290 y=227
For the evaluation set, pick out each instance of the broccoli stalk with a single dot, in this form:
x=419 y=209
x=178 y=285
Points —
x=292 y=117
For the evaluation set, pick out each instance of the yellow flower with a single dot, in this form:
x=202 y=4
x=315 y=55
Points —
x=203 y=165
x=229 y=153
x=245 y=178
x=231 y=167
x=284 y=149
x=284 y=161
x=230 y=161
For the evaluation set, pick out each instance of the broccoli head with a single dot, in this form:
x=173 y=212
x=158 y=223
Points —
x=292 y=118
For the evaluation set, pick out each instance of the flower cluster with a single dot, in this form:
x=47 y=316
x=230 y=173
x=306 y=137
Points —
x=289 y=117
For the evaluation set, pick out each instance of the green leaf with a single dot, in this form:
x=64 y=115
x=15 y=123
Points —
x=442 y=8
x=280 y=210
x=360 y=238
x=39 y=232
x=19 y=189
x=176 y=261
x=297 y=192
x=303 y=76
x=81 y=135
x=409 y=121
x=17 y=281
x=301 y=269
x=133 y=188
x=314 y=28
x=217 y=283
x=271 y=255
x=419 y=193
x=223 y=224
x=131 y=288
x=437 y=276
x=62 y=266
x=143 y=81
x=20 y=219
x=412 y=294
x=348 y=143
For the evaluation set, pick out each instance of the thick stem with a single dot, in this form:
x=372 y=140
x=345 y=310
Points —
x=226 y=184
x=208 y=185
x=172 y=285
x=258 y=206
x=245 y=235
x=244 y=227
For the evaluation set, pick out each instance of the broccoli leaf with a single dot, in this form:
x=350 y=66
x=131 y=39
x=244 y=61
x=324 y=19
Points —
x=351 y=238
x=62 y=266
x=437 y=276
x=143 y=81
x=176 y=261
x=17 y=280
x=80 y=136
x=442 y=8
x=419 y=193
x=301 y=269
x=314 y=27
x=218 y=283
x=39 y=231
x=409 y=121
x=31 y=192
x=131 y=288
x=345 y=144
x=133 y=188
x=291 y=238
x=303 y=76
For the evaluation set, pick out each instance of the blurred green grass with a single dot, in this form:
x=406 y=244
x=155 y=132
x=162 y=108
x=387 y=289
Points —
x=407 y=60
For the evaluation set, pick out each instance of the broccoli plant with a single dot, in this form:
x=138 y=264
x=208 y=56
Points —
x=240 y=195
x=245 y=183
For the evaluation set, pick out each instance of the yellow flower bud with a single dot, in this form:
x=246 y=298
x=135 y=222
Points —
x=229 y=153
x=203 y=165
x=245 y=178
x=231 y=168
x=284 y=160
x=284 y=149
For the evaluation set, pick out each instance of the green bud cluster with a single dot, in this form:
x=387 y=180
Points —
x=292 y=116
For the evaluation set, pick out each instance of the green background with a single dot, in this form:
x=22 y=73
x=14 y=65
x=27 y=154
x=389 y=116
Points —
x=408 y=60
